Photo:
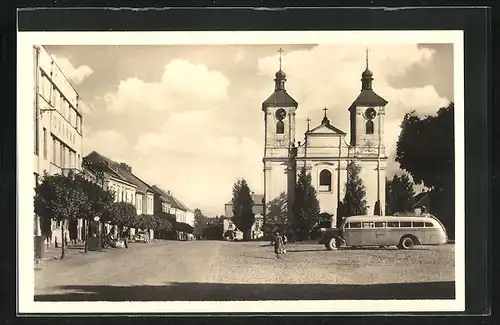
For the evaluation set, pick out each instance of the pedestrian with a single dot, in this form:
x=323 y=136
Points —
x=125 y=234
x=278 y=245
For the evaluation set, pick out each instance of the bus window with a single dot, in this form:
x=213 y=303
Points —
x=367 y=224
x=418 y=224
x=405 y=224
x=429 y=224
x=379 y=224
x=355 y=225
x=393 y=224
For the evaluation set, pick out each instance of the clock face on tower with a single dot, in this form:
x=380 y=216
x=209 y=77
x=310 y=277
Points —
x=280 y=114
x=370 y=113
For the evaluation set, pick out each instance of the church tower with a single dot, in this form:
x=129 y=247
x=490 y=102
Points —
x=279 y=120
x=367 y=117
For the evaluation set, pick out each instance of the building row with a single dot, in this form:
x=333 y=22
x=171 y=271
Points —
x=148 y=200
x=58 y=148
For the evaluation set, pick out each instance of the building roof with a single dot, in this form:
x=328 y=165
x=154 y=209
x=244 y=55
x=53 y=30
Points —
x=328 y=126
x=119 y=170
x=173 y=201
x=368 y=97
x=279 y=98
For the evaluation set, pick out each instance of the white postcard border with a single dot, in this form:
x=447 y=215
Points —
x=25 y=163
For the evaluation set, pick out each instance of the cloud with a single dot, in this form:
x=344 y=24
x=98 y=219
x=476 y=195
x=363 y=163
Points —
x=78 y=74
x=329 y=75
x=182 y=86
x=109 y=143
x=197 y=129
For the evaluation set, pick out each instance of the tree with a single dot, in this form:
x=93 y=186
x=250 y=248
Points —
x=243 y=216
x=98 y=203
x=200 y=222
x=60 y=197
x=354 y=202
x=122 y=214
x=400 y=194
x=277 y=210
x=306 y=206
x=425 y=149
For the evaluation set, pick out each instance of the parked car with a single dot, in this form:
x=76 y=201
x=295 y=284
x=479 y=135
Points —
x=141 y=237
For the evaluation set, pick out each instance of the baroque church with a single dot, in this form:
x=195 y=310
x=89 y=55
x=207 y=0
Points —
x=325 y=151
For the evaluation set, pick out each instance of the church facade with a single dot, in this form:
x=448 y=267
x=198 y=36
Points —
x=326 y=151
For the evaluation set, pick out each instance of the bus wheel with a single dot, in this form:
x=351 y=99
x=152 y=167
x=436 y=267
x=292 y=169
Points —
x=332 y=244
x=406 y=243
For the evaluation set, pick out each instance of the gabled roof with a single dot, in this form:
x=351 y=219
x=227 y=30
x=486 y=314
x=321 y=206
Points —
x=174 y=202
x=105 y=165
x=325 y=128
x=368 y=97
x=279 y=98
x=118 y=170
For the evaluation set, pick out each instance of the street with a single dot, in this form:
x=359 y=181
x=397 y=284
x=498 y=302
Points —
x=217 y=270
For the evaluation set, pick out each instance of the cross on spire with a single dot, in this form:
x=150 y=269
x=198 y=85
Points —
x=325 y=118
x=280 y=51
x=308 y=120
x=367 y=51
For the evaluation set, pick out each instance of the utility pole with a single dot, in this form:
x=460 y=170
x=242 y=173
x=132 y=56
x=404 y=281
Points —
x=292 y=180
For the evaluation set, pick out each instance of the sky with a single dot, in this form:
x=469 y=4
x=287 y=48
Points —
x=188 y=118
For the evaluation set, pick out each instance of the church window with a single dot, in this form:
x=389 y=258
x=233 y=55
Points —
x=280 y=127
x=325 y=181
x=369 y=127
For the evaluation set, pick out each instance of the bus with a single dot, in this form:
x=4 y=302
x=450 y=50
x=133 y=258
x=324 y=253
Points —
x=402 y=231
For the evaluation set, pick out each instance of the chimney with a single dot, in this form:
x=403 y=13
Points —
x=126 y=167
x=168 y=192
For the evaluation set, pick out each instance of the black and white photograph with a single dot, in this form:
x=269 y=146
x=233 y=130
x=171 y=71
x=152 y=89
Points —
x=258 y=171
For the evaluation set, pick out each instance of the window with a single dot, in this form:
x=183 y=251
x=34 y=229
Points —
x=325 y=180
x=78 y=162
x=369 y=127
x=429 y=224
x=355 y=225
x=418 y=224
x=393 y=224
x=54 y=151
x=61 y=162
x=44 y=143
x=406 y=224
x=367 y=224
x=379 y=224
x=280 y=127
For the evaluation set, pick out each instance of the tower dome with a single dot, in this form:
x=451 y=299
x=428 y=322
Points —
x=280 y=74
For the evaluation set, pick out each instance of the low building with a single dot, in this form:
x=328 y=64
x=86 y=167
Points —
x=255 y=232
x=183 y=216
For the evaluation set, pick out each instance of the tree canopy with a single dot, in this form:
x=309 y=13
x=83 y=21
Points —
x=306 y=205
x=426 y=147
x=200 y=222
x=243 y=216
x=399 y=194
x=354 y=202
x=277 y=210
x=426 y=150
x=123 y=214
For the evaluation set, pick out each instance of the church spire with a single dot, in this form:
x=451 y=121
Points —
x=366 y=76
x=280 y=76
x=325 y=118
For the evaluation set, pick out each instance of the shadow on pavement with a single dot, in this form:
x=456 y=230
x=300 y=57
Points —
x=227 y=291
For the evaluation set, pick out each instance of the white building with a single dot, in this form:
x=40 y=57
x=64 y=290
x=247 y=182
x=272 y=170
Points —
x=325 y=152
x=58 y=123
x=119 y=179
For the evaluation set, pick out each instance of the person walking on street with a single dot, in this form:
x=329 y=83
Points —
x=278 y=245
x=125 y=235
